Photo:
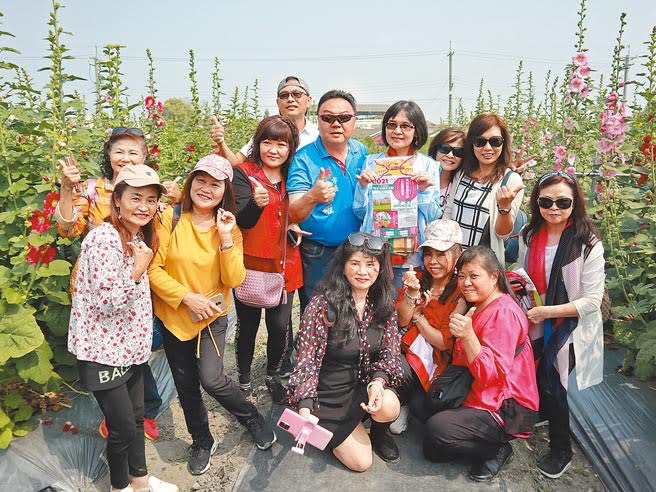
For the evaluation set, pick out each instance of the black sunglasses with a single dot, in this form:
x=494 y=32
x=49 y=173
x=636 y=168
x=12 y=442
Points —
x=295 y=94
x=446 y=148
x=122 y=130
x=331 y=118
x=495 y=141
x=561 y=203
x=374 y=243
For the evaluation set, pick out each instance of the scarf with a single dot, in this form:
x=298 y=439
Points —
x=557 y=330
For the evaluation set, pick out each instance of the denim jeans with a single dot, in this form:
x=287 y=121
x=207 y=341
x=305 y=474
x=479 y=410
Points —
x=316 y=259
x=152 y=398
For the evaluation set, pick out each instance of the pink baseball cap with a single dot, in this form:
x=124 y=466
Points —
x=442 y=234
x=216 y=166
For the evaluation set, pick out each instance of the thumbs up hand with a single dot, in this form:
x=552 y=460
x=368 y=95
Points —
x=323 y=191
x=217 y=131
x=505 y=195
x=460 y=325
x=260 y=193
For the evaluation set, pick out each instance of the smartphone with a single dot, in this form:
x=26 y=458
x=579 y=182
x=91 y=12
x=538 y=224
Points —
x=292 y=237
x=219 y=300
x=304 y=431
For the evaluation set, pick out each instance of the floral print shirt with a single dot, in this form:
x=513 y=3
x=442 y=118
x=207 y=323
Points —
x=311 y=348
x=111 y=315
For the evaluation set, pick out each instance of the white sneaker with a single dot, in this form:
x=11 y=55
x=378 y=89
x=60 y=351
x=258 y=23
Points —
x=401 y=422
x=157 y=485
x=126 y=489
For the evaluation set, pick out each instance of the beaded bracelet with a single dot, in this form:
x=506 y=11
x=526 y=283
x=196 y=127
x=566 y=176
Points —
x=413 y=301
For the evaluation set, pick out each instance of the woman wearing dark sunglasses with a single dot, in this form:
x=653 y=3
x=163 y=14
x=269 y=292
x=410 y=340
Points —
x=562 y=253
x=348 y=351
x=486 y=193
x=404 y=131
x=447 y=148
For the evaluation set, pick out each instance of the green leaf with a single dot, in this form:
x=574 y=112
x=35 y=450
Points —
x=36 y=365
x=13 y=400
x=24 y=413
x=5 y=438
x=12 y=296
x=22 y=429
x=4 y=418
x=58 y=268
x=20 y=332
x=55 y=316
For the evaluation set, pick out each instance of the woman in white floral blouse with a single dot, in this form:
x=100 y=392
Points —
x=110 y=330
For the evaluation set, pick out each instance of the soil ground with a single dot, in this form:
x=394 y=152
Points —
x=166 y=457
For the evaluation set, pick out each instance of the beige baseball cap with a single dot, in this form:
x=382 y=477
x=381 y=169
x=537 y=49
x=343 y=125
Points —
x=293 y=81
x=442 y=234
x=216 y=166
x=138 y=175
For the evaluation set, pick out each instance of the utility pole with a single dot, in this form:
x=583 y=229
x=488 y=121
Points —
x=626 y=71
x=450 y=55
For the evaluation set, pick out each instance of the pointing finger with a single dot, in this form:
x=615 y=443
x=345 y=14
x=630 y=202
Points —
x=215 y=120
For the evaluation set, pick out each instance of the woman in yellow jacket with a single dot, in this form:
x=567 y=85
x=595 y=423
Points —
x=199 y=260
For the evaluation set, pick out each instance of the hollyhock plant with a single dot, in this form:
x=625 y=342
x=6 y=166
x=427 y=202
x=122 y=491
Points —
x=576 y=85
x=559 y=152
x=580 y=59
x=39 y=221
x=50 y=202
x=149 y=102
x=42 y=255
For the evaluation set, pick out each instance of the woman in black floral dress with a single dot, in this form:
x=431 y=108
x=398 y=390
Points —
x=348 y=353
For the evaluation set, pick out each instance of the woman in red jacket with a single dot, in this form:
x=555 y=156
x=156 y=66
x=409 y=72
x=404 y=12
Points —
x=262 y=204
x=492 y=342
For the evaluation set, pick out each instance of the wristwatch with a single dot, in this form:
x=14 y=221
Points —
x=502 y=211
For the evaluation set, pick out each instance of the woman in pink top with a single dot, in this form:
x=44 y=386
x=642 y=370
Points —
x=492 y=341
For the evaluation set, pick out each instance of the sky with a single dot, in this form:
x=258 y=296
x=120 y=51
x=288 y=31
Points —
x=380 y=51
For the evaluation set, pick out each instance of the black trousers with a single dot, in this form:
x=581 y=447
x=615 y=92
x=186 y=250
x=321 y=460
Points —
x=123 y=408
x=557 y=413
x=412 y=393
x=191 y=372
x=463 y=433
x=277 y=324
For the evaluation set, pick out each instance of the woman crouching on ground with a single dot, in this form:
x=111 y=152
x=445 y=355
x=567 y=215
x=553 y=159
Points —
x=110 y=330
x=348 y=351
x=492 y=342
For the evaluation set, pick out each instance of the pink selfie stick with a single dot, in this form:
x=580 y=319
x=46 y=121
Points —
x=304 y=430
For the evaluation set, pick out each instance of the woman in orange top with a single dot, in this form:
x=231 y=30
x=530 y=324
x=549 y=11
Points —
x=428 y=298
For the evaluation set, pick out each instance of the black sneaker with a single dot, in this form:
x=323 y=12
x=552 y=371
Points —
x=199 y=457
x=286 y=368
x=555 y=463
x=383 y=443
x=277 y=389
x=262 y=432
x=246 y=388
x=485 y=471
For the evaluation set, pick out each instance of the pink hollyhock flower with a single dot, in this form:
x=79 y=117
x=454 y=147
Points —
x=612 y=97
x=160 y=123
x=571 y=170
x=580 y=59
x=41 y=255
x=160 y=107
x=531 y=163
x=40 y=222
x=559 y=152
x=568 y=124
x=149 y=102
x=606 y=146
x=50 y=202
x=570 y=159
x=529 y=175
x=585 y=92
x=108 y=98
x=558 y=165
x=582 y=72
x=576 y=85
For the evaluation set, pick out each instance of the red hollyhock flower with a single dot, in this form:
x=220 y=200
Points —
x=160 y=107
x=191 y=148
x=149 y=102
x=41 y=255
x=50 y=202
x=154 y=152
x=40 y=222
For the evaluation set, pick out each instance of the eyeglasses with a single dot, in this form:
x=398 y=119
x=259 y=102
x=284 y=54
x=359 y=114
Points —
x=405 y=128
x=332 y=118
x=374 y=243
x=553 y=174
x=561 y=203
x=446 y=148
x=494 y=141
x=295 y=94
x=122 y=130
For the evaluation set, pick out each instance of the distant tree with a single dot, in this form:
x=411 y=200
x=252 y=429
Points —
x=176 y=109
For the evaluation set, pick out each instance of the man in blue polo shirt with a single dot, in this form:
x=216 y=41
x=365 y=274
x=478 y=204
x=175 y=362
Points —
x=321 y=184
